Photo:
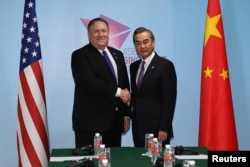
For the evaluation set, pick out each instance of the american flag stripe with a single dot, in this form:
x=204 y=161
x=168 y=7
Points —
x=31 y=108
x=22 y=156
x=32 y=129
x=39 y=116
x=27 y=152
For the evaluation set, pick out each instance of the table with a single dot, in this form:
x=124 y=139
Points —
x=124 y=157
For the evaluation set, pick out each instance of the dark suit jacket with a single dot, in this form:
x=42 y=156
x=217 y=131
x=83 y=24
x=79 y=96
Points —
x=95 y=104
x=153 y=105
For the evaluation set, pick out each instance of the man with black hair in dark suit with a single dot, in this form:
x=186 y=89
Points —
x=154 y=91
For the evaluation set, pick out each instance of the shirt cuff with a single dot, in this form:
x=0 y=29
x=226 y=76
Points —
x=118 y=92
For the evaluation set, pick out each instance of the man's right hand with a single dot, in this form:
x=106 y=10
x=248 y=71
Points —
x=125 y=96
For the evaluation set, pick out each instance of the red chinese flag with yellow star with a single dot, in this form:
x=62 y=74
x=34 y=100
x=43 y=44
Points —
x=217 y=129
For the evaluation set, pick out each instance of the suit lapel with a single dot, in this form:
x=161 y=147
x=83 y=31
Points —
x=150 y=71
x=133 y=74
x=100 y=61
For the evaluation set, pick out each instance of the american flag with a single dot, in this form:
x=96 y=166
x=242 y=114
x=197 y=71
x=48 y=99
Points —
x=32 y=128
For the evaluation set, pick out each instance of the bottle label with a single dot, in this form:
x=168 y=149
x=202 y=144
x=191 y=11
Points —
x=155 y=150
x=150 y=143
x=168 y=158
x=97 y=144
x=102 y=157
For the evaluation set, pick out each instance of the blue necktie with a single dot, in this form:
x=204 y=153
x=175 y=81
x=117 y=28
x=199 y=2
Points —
x=141 y=74
x=105 y=55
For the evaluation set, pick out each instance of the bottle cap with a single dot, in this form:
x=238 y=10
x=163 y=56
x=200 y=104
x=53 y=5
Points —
x=155 y=139
x=151 y=135
x=102 y=146
x=191 y=162
x=97 y=134
x=167 y=146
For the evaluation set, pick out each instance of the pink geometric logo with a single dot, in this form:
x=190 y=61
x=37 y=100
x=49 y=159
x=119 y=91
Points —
x=118 y=32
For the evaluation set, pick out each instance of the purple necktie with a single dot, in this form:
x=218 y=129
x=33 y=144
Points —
x=141 y=74
x=105 y=55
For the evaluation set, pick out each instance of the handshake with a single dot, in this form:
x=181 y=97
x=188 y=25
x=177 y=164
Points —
x=125 y=96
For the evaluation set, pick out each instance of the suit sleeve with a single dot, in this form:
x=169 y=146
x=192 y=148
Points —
x=124 y=83
x=169 y=87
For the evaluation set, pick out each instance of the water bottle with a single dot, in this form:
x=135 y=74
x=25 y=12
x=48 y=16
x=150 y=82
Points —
x=168 y=158
x=97 y=143
x=102 y=155
x=150 y=144
x=155 y=151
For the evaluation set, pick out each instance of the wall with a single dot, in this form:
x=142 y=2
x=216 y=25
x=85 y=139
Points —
x=178 y=26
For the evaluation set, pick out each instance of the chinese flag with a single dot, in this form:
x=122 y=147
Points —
x=217 y=129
